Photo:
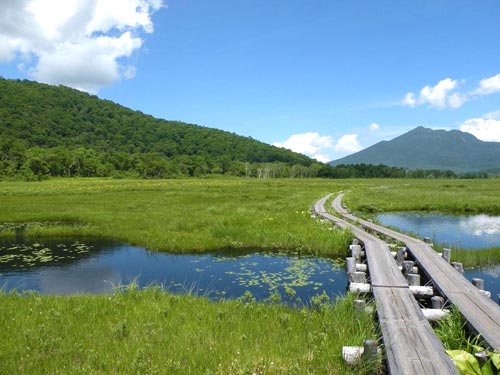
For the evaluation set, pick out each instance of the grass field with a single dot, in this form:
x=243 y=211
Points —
x=149 y=331
x=176 y=215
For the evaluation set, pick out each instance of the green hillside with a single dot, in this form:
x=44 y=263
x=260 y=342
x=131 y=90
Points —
x=57 y=131
x=423 y=148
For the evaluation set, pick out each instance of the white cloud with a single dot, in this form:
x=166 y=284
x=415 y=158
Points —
x=410 y=100
x=311 y=144
x=440 y=96
x=488 y=86
x=348 y=144
x=446 y=94
x=78 y=43
x=484 y=128
x=374 y=127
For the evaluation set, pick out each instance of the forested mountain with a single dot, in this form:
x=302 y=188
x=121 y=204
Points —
x=54 y=131
x=58 y=131
x=424 y=148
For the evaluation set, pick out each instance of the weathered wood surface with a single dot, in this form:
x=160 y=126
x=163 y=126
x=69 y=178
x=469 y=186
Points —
x=410 y=344
x=482 y=314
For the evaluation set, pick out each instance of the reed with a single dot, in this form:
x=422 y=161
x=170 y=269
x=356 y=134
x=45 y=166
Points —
x=152 y=332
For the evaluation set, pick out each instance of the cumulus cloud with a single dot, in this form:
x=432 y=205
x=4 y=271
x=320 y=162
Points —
x=78 y=43
x=311 y=144
x=348 y=144
x=488 y=86
x=374 y=127
x=446 y=94
x=485 y=128
x=440 y=96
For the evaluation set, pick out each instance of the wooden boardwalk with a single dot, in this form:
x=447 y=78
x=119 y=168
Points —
x=481 y=313
x=411 y=346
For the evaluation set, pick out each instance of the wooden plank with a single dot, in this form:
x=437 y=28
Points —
x=482 y=314
x=410 y=343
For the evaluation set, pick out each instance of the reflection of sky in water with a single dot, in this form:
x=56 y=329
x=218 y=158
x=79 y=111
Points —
x=470 y=232
x=491 y=277
x=296 y=279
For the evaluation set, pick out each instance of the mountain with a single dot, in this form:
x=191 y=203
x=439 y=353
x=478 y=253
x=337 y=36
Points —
x=58 y=131
x=423 y=148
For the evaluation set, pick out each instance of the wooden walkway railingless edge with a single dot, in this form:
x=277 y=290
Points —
x=411 y=346
x=481 y=313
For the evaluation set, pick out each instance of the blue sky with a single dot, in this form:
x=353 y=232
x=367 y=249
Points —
x=325 y=78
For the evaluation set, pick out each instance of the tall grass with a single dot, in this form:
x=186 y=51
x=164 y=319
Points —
x=176 y=215
x=446 y=196
x=152 y=332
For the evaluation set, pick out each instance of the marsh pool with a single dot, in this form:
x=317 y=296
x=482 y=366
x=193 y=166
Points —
x=62 y=267
x=468 y=232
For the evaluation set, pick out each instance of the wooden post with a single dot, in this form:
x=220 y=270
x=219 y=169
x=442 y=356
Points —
x=437 y=302
x=361 y=267
x=407 y=267
x=370 y=351
x=356 y=252
x=359 y=305
x=447 y=255
x=478 y=283
x=350 y=264
x=359 y=277
x=427 y=240
x=422 y=290
x=458 y=266
x=400 y=255
x=413 y=279
x=359 y=288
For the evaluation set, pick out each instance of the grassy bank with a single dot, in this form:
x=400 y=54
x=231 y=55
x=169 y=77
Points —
x=175 y=215
x=445 y=196
x=151 y=332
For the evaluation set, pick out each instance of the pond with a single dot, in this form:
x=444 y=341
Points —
x=58 y=267
x=491 y=277
x=468 y=232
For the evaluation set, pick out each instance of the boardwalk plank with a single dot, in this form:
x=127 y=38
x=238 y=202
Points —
x=482 y=314
x=410 y=344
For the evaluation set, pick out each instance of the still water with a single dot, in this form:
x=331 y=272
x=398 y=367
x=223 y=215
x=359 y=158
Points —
x=468 y=232
x=491 y=277
x=58 y=267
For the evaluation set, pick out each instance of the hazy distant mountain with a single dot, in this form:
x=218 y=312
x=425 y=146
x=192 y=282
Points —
x=423 y=148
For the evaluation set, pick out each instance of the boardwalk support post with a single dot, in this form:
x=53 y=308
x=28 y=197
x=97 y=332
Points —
x=458 y=266
x=478 y=283
x=447 y=255
x=413 y=279
x=437 y=302
x=359 y=305
x=407 y=267
x=370 y=351
x=400 y=255
x=350 y=264
x=359 y=277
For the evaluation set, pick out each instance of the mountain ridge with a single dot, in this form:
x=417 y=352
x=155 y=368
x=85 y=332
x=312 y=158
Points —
x=425 y=148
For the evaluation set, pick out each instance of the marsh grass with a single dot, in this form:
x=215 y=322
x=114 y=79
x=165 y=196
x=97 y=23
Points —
x=430 y=195
x=174 y=215
x=152 y=332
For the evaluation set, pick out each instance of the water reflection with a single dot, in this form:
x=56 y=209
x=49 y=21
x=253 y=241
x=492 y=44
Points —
x=491 y=277
x=470 y=232
x=64 y=268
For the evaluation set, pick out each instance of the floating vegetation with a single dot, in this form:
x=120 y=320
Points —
x=75 y=267
x=25 y=255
